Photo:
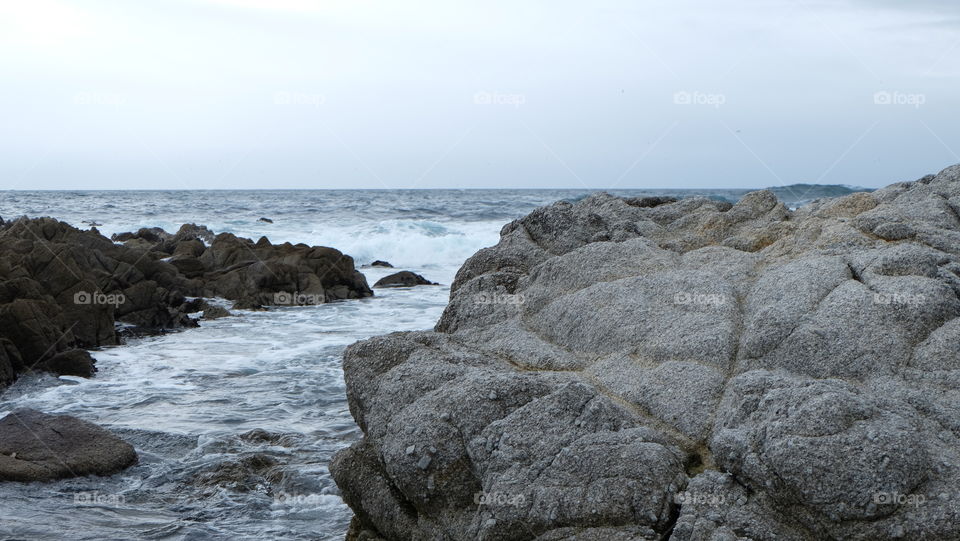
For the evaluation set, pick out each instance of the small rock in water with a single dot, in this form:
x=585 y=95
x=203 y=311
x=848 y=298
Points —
x=265 y=220
x=403 y=279
x=379 y=263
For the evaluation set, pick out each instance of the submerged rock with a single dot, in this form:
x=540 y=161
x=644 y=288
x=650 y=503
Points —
x=35 y=446
x=692 y=370
x=403 y=279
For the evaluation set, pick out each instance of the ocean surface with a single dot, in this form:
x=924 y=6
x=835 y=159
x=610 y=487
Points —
x=192 y=402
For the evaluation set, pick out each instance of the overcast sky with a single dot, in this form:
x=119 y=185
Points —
x=426 y=94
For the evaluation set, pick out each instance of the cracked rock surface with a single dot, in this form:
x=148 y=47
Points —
x=620 y=370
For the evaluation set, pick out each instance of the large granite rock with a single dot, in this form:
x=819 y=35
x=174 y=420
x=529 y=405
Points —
x=35 y=446
x=646 y=369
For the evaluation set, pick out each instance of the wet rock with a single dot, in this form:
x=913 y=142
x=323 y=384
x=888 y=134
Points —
x=624 y=369
x=403 y=279
x=243 y=474
x=75 y=362
x=379 y=263
x=35 y=446
x=265 y=220
x=215 y=312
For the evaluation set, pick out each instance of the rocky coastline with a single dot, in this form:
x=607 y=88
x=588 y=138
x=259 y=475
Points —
x=626 y=369
x=64 y=291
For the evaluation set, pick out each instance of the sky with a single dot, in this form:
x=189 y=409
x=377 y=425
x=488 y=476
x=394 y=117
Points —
x=243 y=94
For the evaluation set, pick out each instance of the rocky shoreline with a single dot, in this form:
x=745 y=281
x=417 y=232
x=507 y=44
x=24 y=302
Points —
x=64 y=291
x=624 y=369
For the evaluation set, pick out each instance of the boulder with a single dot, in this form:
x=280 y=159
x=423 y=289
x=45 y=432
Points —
x=403 y=279
x=695 y=370
x=35 y=446
x=379 y=263
x=75 y=362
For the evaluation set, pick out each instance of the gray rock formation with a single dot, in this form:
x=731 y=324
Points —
x=640 y=369
x=35 y=446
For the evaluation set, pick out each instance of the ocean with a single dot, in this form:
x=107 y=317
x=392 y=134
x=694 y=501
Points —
x=192 y=401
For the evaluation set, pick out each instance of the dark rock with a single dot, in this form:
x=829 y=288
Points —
x=35 y=446
x=76 y=362
x=194 y=232
x=247 y=304
x=261 y=273
x=649 y=202
x=403 y=279
x=215 y=312
x=265 y=220
x=379 y=263
x=62 y=288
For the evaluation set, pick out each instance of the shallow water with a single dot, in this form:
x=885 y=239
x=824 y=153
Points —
x=183 y=400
